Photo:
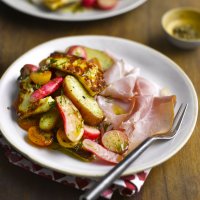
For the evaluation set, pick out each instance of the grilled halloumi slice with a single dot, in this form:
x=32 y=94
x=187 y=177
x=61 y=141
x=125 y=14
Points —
x=88 y=73
x=24 y=107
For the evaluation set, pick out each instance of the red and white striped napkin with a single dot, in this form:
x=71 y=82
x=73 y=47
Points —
x=127 y=185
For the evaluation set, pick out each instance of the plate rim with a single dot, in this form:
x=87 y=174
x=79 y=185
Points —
x=128 y=171
x=55 y=18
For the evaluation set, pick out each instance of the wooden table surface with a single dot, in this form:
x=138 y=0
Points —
x=176 y=179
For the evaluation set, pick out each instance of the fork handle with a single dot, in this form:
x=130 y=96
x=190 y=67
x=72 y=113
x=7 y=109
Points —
x=115 y=172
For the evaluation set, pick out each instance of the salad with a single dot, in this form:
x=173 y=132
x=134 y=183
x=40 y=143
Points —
x=87 y=103
x=54 y=5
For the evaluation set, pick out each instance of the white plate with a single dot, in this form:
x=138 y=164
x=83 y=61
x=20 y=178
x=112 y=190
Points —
x=154 y=66
x=26 y=7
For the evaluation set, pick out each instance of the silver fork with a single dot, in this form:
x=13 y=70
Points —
x=116 y=171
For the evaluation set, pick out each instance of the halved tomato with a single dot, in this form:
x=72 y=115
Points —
x=26 y=123
x=63 y=140
x=39 y=137
x=40 y=78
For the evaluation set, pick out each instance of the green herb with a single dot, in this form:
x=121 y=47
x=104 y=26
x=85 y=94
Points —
x=105 y=126
x=51 y=104
x=44 y=68
x=37 y=86
x=53 y=60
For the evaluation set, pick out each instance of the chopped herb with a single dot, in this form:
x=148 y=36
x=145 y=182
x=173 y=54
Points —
x=37 y=86
x=105 y=126
x=44 y=68
x=51 y=104
x=52 y=61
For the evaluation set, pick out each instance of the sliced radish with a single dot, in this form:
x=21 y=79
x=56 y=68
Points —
x=77 y=51
x=88 y=3
x=101 y=152
x=90 y=132
x=106 y=4
x=72 y=119
x=46 y=89
x=116 y=141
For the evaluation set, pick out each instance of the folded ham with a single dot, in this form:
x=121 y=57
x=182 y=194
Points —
x=133 y=104
x=115 y=111
x=151 y=115
x=118 y=71
x=145 y=87
x=121 y=89
x=121 y=81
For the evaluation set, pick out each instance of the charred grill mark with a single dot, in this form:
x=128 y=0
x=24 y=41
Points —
x=89 y=74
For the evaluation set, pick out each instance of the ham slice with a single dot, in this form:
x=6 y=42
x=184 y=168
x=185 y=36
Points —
x=121 y=80
x=114 y=73
x=145 y=113
x=121 y=89
x=145 y=87
x=118 y=71
x=115 y=111
x=154 y=117
x=142 y=106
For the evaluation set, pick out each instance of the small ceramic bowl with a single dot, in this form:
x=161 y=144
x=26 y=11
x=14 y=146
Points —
x=182 y=27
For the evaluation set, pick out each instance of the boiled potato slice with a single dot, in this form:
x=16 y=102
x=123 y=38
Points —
x=49 y=119
x=87 y=105
x=105 y=60
x=43 y=105
x=24 y=107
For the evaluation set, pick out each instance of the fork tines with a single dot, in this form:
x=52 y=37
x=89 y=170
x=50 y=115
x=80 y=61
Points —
x=179 y=117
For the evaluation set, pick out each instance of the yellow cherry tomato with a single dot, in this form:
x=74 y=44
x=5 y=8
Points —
x=63 y=140
x=41 y=78
x=39 y=137
x=27 y=123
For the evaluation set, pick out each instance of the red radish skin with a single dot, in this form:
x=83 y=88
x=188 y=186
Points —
x=106 y=4
x=90 y=132
x=88 y=3
x=115 y=141
x=77 y=51
x=101 y=152
x=46 y=89
x=27 y=69
x=72 y=119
